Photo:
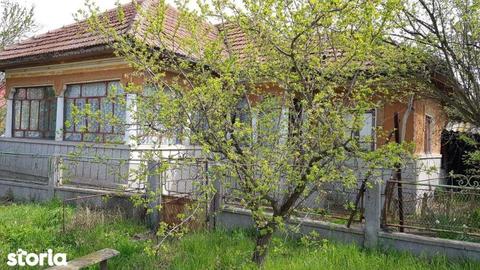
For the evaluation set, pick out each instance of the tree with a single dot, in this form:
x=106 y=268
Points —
x=449 y=33
x=16 y=22
x=281 y=116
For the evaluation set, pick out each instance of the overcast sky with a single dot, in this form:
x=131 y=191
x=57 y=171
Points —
x=51 y=14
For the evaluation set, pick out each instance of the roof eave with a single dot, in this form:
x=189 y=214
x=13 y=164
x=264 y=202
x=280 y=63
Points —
x=53 y=57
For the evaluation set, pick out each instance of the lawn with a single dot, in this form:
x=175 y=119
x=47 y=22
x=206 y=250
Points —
x=35 y=228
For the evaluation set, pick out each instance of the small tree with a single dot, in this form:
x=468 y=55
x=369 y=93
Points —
x=281 y=114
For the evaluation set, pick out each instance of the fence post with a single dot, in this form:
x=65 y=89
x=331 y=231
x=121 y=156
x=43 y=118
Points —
x=55 y=175
x=372 y=215
x=154 y=188
x=216 y=204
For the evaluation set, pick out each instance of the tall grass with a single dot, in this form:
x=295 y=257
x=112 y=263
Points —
x=38 y=227
x=232 y=250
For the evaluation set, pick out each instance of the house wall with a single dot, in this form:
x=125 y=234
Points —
x=415 y=124
x=60 y=75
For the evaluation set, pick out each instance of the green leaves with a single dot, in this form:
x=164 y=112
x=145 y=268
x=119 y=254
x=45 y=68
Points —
x=277 y=92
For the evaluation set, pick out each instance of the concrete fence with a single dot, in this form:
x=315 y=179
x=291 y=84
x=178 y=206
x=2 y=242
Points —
x=47 y=182
x=368 y=235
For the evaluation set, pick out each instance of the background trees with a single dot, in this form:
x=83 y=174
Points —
x=281 y=114
x=16 y=21
x=448 y=32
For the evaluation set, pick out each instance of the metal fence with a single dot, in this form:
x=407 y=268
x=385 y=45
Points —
x=328 y=202
x=445 y=211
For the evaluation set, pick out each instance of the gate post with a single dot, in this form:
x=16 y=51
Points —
x=154 y=194
x=216 y=204
x=372 y=215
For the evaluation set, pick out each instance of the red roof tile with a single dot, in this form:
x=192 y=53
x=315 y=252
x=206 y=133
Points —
x=76 y=36
x=67 y=38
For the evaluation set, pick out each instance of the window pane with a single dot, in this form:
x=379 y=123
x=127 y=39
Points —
x=52 y=120
x=73 y=91
x=35 y=93
x=34 y=107
x=25 y=114
x=92 y=137
x=20 y=94
x=119 y=118
x=68 y=115
x=33 y=134
x=115 y=88
x=367 y=129
x=18 y=134
x=94 y=89
x=92 y=121
x=80 y=104
x=49 y=92
x=73 y=137
x=107 y=110
x=18 y=108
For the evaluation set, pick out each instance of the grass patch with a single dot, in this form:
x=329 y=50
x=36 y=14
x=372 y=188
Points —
x=37 y=227
x=232 y=250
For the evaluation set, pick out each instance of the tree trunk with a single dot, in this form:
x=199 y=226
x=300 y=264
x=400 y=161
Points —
x=261 y=248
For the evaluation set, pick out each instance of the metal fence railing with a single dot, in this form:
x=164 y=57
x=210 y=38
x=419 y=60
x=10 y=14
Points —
x=328 y=202
x=445 y=211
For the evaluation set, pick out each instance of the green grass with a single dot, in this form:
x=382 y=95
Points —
x=37 y=227
x=221 y=250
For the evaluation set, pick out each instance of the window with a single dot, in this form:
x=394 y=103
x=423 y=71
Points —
x=34 y=112
x=427 y=148
x=366 y=134
x=103 y=98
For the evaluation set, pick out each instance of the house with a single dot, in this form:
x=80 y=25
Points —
x=48 y=73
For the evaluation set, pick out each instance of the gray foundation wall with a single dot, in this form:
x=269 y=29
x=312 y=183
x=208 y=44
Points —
x=231 y=218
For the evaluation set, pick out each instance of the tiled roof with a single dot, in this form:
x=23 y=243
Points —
x=68 y=38
x=235 y=39
x=76 y=36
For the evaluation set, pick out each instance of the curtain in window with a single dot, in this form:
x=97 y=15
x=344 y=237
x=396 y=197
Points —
x=104 y=119
x=34 y=113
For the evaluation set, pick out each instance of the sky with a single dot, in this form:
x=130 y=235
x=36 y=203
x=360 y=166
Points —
x=52 y=14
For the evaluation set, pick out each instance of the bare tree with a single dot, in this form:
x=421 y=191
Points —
x=16 y=21
x=449 y=31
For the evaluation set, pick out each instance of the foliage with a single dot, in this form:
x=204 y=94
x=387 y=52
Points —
x=449 y=32
x=282 y=116
x=17 y=22
x=38 y=227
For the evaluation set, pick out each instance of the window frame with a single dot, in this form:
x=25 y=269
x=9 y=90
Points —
x=50 y=103
x=428 y=134
x=87 y=99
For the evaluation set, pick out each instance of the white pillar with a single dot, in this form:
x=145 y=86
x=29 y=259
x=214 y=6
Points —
x=130 y=125
x=59 y=119
x=9 y=119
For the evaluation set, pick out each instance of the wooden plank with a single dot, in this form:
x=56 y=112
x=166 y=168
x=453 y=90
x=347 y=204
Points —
x=100 y=256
